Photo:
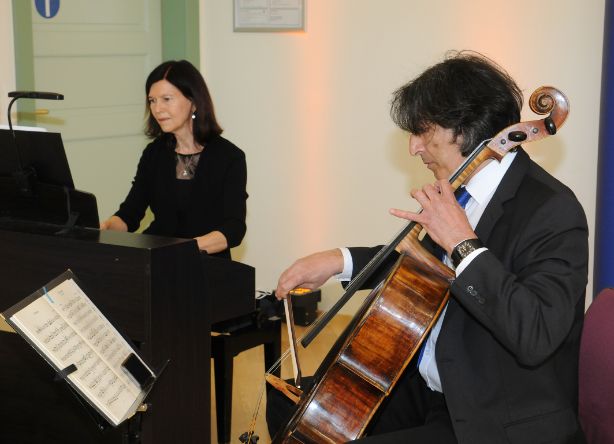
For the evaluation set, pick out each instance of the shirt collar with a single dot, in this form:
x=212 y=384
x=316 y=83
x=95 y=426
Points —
x=485 y=182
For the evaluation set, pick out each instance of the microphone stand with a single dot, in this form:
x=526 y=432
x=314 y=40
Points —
x=24 y=177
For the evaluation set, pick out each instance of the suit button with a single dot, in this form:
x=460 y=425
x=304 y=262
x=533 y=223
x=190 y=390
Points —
x=473 y=292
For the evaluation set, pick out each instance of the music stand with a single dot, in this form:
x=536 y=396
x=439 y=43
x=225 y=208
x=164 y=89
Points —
x=36 y=184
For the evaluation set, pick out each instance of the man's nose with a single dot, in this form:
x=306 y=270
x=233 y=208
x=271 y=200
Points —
x=415 y=144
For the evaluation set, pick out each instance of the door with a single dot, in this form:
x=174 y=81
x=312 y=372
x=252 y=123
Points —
x=97 y=54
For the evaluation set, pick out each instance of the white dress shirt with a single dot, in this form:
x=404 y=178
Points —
x=481 y=187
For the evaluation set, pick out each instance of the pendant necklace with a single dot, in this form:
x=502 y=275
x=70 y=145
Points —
x=186 y=165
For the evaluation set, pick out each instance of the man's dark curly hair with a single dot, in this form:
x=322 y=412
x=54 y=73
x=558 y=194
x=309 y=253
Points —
x=467 y=93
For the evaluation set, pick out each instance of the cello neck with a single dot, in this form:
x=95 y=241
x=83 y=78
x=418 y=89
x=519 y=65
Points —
x=544 y=100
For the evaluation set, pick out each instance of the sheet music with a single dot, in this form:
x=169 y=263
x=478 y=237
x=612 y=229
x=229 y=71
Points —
x=67 y=328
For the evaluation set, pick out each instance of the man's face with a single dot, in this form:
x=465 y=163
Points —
x=438 y=151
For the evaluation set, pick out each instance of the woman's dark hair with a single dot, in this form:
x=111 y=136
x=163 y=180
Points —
x=187 y=79
x=467 y=93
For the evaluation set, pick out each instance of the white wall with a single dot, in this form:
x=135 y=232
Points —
x=7 y=67
x=310 y=109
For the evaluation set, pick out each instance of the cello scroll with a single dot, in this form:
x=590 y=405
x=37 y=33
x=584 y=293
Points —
x=544 y=100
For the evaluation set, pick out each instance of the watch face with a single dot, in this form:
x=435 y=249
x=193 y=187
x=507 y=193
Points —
x=465 y=248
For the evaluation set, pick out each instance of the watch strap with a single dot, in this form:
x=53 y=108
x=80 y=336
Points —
x=464 y=249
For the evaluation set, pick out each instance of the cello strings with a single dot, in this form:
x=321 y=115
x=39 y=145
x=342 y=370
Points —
x=277 y=365
x=379 y=258
x=252 y=425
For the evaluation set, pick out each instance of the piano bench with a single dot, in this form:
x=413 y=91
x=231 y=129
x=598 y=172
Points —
x=242 y=334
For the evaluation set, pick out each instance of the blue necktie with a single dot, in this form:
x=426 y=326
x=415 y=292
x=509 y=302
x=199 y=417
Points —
x=462 y=197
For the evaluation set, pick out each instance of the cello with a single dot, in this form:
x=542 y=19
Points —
x=384 y=336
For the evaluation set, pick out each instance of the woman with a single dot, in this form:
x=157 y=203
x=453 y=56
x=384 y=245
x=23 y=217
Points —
x=192 y=178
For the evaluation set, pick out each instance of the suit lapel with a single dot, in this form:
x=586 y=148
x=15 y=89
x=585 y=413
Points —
x=505 y=191
x=494 y=211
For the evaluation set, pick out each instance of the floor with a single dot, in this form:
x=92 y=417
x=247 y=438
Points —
x=248 y=381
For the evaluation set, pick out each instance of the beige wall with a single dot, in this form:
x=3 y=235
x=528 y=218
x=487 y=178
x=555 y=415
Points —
x=7 y=67
x=310 y=109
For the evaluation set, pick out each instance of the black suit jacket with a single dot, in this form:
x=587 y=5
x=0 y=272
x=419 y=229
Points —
x=507 y=352
x=218 y=198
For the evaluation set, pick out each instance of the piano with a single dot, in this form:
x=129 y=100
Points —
x=154 y=291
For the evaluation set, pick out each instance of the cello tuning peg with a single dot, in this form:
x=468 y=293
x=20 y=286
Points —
x=248 y=438
x=550 y=125
x=517 y=136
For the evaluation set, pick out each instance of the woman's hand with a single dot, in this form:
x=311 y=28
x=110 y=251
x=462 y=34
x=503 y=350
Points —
x=114 y=223
x=212 y=242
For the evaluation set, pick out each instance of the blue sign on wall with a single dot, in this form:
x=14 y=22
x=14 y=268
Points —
x=47 y=8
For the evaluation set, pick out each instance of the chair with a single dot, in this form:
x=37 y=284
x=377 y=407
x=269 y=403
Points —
x=238 y=335
x=596 y=371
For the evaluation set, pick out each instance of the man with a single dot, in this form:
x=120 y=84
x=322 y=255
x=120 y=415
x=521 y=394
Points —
x=500 y=365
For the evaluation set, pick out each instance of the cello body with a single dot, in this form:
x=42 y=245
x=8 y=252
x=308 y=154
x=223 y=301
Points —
x=361 y=371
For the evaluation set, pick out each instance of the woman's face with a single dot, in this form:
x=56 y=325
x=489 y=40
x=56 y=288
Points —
x=171 y=109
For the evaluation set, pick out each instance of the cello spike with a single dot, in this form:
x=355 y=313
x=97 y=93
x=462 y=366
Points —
x=248 y=438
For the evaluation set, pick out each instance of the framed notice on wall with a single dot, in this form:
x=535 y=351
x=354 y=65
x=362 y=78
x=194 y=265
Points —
x=269 y=15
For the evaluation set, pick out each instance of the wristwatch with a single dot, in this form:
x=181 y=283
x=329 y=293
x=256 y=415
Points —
x=464 y=249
